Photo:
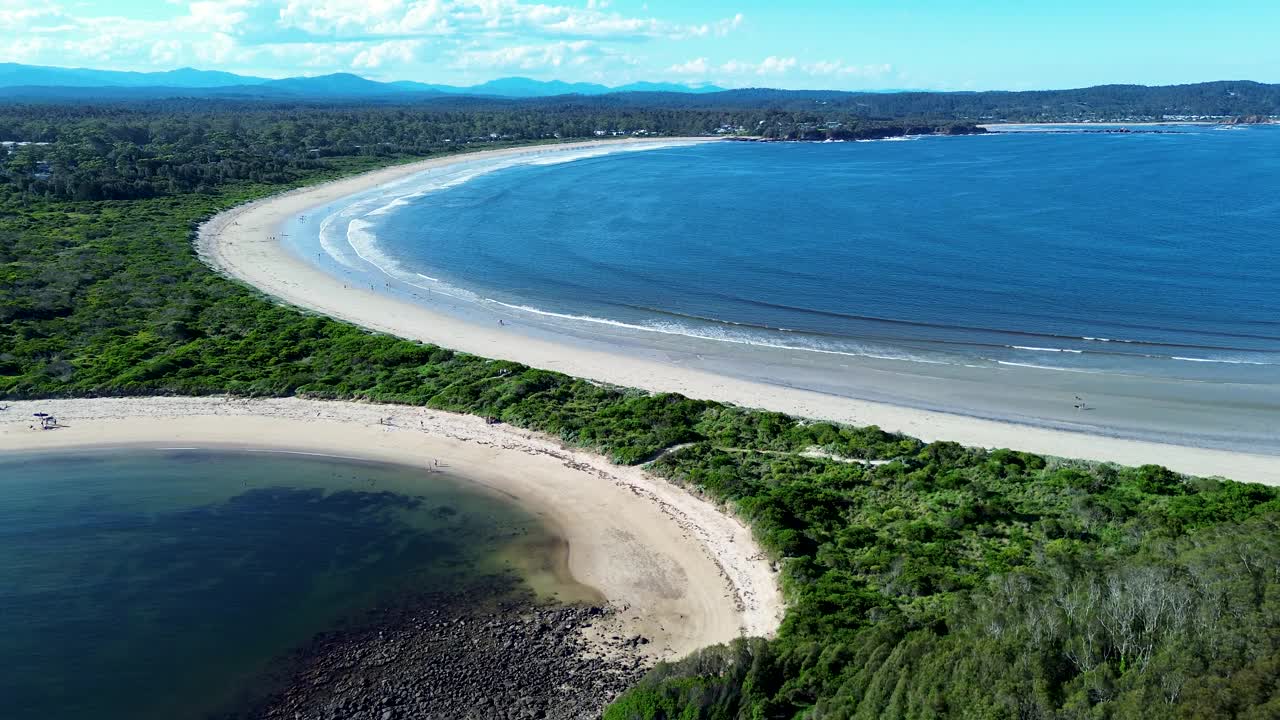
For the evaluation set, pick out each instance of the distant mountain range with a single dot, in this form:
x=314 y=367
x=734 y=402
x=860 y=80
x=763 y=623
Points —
x=13 y=75
x=112 y=82
x=1219 y=99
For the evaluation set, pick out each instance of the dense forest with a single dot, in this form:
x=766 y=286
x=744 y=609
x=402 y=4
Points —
x=130 y=151
x=1103 y=102
x=923 y=580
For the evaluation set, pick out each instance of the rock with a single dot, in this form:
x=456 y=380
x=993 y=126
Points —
x=445 y=655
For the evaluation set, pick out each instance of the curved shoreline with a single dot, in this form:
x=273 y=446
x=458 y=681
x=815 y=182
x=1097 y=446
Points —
x=683 y=574
x=239 y=244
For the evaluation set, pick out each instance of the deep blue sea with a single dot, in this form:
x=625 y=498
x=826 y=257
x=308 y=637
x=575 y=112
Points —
x=153 y=585
x=1142 y=252
x=996 y=275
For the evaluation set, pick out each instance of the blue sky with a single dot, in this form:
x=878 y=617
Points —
x=855 y=44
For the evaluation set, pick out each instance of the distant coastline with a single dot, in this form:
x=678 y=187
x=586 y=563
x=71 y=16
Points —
x=1099 y=123
x=883 y=132
x=1252 y=120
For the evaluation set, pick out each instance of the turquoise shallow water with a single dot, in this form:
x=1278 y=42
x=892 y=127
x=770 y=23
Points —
x=162 y=584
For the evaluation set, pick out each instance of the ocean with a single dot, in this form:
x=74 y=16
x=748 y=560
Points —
x=158 y=584
x=1066 y=261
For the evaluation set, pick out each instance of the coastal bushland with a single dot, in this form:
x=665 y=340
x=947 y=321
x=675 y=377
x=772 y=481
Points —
x=954 y=582
x=923 y=580
x=124 y=151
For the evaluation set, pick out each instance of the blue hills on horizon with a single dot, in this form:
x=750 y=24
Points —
x=16 y=75
x=23 y=83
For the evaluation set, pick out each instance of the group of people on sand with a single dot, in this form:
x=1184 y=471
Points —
x=47 y=421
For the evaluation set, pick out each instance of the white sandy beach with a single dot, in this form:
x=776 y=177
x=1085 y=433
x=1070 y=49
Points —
x=1100 y=123
x=683 y=573
x=239 y=243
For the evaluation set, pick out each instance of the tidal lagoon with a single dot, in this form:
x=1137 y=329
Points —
x=165 y=583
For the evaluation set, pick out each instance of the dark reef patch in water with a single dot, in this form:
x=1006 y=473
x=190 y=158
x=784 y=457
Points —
x=444 y=655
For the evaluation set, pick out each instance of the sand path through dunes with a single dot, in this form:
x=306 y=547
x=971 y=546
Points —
x=686 y=574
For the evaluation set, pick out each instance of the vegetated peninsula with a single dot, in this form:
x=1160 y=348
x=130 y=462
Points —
x=921 y=579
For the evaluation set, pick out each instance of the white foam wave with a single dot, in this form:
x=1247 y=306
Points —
x=686 y=331
x=1102 y=339
x=1047 y=367
x=330 y=243
x=1221 y=360
x=365 y=243
x=1044 y=349
x=565 y=157
x=899 y=138
x=426 y=182
x=552 y=160
x=440 y=182
x=439 y=287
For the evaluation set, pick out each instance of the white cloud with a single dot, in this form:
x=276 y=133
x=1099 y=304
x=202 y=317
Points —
x=21 y=13
x=218 y=15
x=696 y=66
x=399 y=17
x=24 y=49
x=402 y=52
x=366 y=17
x=775 y=65
x=824 y=67
x=719 y=28
x=527 y=57
x=165 y=52
x=781 y=69
x=771 y=65
x=217 y=49
x=279 y=37
x=838 y=68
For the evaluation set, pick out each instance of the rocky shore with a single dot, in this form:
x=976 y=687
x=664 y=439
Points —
x=447 y=656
